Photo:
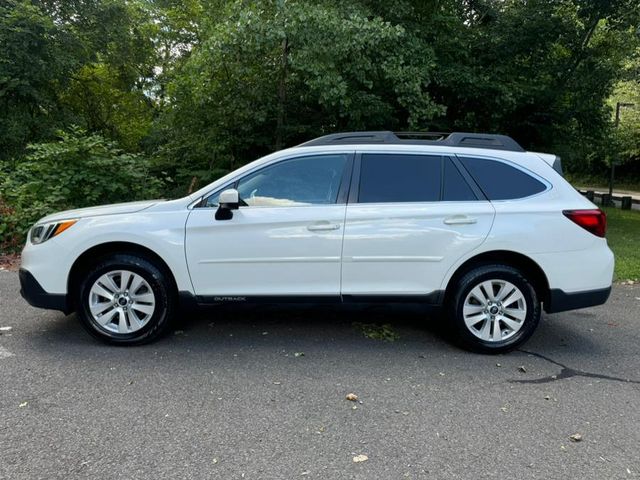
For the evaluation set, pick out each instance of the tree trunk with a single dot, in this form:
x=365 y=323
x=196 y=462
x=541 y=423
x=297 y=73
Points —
x=282 y=94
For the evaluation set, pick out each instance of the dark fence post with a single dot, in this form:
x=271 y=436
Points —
x=605 y=200
x=626 y=203
x=590 y=195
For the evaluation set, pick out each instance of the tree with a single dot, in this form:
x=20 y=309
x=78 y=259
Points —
x=33 y=68
x=275 y=74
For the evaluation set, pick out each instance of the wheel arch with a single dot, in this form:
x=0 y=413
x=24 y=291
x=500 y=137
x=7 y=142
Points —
x=530 y=269
x=91 y=255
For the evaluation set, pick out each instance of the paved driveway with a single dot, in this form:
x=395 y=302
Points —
x=229 y=398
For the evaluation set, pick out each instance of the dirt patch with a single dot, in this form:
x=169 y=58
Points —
x=10 y=262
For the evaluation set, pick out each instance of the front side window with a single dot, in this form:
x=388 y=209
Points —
x=399 y=178
x=300 y=181
x=500 y=181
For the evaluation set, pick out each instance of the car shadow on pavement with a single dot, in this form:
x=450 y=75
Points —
x=410 y=328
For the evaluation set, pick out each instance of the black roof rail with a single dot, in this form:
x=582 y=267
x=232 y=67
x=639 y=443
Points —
x=454 y=139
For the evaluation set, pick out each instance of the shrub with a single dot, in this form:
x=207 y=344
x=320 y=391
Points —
x=79 y=170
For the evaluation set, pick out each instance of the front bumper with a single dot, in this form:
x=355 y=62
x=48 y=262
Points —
x=36 y=296
x=561 y=301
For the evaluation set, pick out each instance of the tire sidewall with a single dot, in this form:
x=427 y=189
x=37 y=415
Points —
x=156 y=280
x=497 y=272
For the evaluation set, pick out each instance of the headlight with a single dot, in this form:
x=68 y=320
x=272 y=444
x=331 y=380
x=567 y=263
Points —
x=44 y=231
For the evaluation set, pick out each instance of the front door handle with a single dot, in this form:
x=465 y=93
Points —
x=459 y=220
x=323 y=226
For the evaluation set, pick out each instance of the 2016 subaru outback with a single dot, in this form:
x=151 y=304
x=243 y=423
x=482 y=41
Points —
x=471 y=223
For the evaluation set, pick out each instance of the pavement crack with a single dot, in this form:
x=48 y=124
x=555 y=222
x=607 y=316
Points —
x=568 y=372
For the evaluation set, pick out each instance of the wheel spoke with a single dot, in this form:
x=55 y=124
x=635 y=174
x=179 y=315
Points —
x=516 y=313
x=98 y=289
x=514 y=297
x=497 y=331
x=98 y=309
x=136 y=283
x=472 y=309
x=122 y=322
x=124 y=280
x=134 y=320
x=108 y=282
x=141 y=307
x=485 y=332
x=512 y=324
x=146 y=297
x=505 y=289
x=106 y=317
x=473 y=320
x=488 y=288
x=478 y=294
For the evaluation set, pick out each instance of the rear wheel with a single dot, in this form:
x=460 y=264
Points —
x=126 y=299
x=494 y=309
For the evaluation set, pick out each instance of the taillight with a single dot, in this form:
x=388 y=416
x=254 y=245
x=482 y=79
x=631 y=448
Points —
x=594 y=221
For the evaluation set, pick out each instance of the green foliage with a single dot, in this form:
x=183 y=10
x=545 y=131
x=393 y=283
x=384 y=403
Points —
x=79 y=170
x=92 y=94
x=32 y=68
x=623 y=233
x=201 y=87
x=276 y=74
x=627 y=133
x=375 y=331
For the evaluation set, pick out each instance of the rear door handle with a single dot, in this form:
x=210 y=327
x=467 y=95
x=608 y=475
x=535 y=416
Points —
x=323 y=226
x=459 y=220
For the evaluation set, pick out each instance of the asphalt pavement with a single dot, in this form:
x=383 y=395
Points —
x=259 y=393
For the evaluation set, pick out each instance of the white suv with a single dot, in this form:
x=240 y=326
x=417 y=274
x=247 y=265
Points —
x=470 y=223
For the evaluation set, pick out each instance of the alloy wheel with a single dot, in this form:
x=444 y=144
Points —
x=121 y=301
x=494 y=310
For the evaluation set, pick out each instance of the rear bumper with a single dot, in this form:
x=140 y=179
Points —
x=560 y=301
x=36 y=296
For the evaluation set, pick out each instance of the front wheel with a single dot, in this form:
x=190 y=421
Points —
x=494 y=308
x=126 y=299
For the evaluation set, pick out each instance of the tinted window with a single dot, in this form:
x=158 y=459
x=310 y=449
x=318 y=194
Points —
x=455 y=187
x=399 y=178
x=500 y=181
x=299 y=181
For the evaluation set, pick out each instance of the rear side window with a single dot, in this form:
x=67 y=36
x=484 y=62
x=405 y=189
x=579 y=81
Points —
x=399 y=178
x=455 y=187
x=500 y=181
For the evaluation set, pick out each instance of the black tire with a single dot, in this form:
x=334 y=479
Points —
x=158 y=279
x=470 y=280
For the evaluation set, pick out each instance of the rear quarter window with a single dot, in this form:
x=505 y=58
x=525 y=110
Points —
x=500 y=181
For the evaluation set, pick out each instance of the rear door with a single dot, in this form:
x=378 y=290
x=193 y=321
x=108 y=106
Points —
x=410 y=217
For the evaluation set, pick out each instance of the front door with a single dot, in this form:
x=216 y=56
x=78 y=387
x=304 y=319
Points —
x=285 y=240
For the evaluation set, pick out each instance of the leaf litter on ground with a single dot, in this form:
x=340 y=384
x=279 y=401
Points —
x=376 y=331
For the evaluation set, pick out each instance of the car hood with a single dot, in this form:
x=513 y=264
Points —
x=116 y=208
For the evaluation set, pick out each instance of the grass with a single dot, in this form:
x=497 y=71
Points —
x=623 y=235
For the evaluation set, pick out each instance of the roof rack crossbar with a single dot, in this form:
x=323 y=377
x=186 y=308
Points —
x=454 y=139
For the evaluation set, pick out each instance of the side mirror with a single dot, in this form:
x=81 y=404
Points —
x=228 y=201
